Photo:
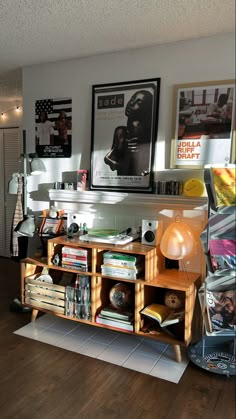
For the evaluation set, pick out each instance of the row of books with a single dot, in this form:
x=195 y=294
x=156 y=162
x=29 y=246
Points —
x=121 y=319
x=110 y=316
x=120 y=265
x=76 y=258
x=78 y=299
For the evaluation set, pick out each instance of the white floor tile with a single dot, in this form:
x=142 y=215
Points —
x=31 y=330
x=114 y=355
x=169 y=355
x=64 y=327
x=92 y=348
x=169 y=371
x=50 y=336
x=140 y=362
x=126 y=341
x=85 y=331
x=46 y=320
x=134 y=352
x=71 y=342
x=105 y=336
x=151 y=348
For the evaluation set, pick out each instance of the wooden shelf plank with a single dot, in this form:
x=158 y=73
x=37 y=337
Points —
x=124 y=198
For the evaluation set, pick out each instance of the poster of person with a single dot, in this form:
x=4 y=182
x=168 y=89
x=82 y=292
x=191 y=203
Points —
x=124 y=130
x=204 y=124
x=53 y=127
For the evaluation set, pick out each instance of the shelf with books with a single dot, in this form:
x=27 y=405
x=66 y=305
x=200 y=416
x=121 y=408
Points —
x=156 y=318
x=135 y=294
x=121 y=296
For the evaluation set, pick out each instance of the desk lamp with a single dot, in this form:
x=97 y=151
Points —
x=26 y=227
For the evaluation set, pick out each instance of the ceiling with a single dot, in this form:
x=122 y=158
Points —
x=40 y=31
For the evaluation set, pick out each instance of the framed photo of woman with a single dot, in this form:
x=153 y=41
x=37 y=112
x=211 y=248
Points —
x=124 y=131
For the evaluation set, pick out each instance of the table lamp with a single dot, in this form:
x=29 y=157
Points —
x=178 y=241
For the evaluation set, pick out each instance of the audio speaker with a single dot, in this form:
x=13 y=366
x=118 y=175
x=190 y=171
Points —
x=73 y=224
x=151 y=232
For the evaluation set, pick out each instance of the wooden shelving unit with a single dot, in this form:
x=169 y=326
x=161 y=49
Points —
x=146 y=290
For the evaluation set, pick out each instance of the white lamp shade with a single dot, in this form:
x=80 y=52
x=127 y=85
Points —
x=37 y=166
x=178 y=241
x=13 y=184
x=26 y=227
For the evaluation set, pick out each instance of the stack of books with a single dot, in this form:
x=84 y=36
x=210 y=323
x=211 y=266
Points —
x=76 y=258
x=110 y=316
x=120 y=265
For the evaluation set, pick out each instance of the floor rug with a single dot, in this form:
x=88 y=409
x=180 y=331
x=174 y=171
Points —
x=137 y=353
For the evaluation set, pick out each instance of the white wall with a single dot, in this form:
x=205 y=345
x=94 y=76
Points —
x=197 y=60
x=204 y=59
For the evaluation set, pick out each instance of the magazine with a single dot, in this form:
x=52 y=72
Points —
x=162 y=314
x=223 y=253
x=220 y=300
x=221 y=310
x=223 y=186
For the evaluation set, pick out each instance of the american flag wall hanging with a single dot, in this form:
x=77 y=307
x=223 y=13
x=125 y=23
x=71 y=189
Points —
x=53 y=127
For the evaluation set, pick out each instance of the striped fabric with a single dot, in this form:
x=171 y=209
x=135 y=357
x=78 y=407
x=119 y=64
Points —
x=18 y=216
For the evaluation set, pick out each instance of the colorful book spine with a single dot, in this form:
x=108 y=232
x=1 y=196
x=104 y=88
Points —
x=120 y=256
x=72 y=256
x=75 y=261
x=118 y=273
x=75 y=251
x=79 y=267
x=115 y=314
x=101 y=316
x=115 y=324
x=119 y=262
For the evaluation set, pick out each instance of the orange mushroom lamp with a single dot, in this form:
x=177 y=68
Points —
x=178 y=241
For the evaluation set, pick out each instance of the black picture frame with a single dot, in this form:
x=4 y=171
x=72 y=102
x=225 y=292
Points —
x=124 y=132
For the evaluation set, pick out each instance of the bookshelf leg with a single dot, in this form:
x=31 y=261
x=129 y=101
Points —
x=177 y=352
x=34 y=315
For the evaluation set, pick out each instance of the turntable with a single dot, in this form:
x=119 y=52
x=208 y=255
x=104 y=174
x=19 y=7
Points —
x=109 y=236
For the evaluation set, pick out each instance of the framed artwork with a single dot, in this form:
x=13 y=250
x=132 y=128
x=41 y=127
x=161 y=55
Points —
x=204 y=124
x=124 y=131
x=53 y=127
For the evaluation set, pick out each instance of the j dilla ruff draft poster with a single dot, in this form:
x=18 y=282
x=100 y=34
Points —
x=124 y=130
x=204 y=124
x=53 y=127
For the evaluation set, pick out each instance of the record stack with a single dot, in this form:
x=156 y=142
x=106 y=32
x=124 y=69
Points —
x=76 y=258
x=110 y=316
x=120 y=265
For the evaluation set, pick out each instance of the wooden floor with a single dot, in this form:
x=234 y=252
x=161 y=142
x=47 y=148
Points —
x=40 y=381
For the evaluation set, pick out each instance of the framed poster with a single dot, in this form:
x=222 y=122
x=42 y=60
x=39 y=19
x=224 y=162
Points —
x=124 y=130
x=53 y=127
x=204 y=125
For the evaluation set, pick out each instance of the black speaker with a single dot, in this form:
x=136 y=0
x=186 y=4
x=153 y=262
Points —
x=151 y=232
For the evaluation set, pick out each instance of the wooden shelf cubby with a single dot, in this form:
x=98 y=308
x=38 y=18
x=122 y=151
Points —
x=149 y=288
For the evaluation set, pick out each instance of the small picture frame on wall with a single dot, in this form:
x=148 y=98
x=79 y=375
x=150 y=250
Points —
x=204 y=124
x=124 y=131
x=53 y=127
